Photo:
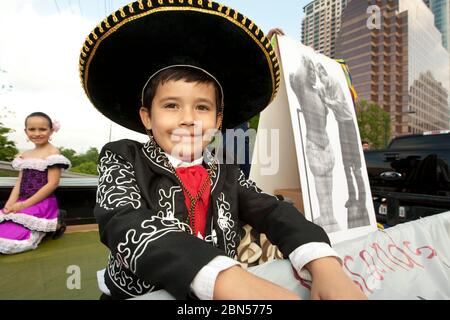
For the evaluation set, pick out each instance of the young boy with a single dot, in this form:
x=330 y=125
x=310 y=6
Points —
x=170 y=213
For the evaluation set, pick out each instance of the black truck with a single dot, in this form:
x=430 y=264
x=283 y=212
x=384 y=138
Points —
x=410 y=179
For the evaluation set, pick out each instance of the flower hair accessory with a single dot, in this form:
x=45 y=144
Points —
x=56 y=125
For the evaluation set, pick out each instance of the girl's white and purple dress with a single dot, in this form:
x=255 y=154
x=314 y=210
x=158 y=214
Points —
x=24 y=230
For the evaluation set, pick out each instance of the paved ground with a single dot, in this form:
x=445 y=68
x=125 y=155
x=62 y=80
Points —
x=82 y=228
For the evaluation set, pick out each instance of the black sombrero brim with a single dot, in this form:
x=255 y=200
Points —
x=136 y=41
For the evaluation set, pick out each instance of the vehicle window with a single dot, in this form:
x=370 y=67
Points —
x=421 y=142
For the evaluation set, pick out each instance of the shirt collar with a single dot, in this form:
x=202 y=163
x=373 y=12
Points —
x=180 y=163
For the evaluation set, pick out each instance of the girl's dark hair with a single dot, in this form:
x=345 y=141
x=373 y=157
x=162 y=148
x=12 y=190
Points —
x=179 y=73
x=40 y=114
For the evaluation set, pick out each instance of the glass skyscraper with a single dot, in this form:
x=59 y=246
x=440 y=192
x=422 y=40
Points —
x=441 y=11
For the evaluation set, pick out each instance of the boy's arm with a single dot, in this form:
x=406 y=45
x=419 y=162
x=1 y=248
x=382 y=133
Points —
x=237 y=284
x=288 y=229
x=330 y=282
x=223 y=278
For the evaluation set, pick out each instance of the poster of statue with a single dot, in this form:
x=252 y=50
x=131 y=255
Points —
x=334 y=183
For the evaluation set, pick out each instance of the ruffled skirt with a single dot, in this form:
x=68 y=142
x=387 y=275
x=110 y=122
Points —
x=24 y=230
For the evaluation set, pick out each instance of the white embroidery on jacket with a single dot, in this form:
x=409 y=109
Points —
x=249 y=184
x=117 y=184
x=226 y=224
x=214 y=167
x=167 y=201
x=131 y=285
x=212 y=237
x=154 y=153
x=140 y=241
x=152 y=229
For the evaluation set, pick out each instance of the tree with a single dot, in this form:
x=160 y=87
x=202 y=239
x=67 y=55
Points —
x=86 y=167
x=374 y=123
x=82 y=163
x=7 y=147
x=90 y=156
x=253 y=122
x=69 y=154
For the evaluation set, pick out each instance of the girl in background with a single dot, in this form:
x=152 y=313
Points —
x=32 y=209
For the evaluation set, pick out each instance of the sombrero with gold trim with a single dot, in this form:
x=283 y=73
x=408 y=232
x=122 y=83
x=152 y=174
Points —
x=143 y=37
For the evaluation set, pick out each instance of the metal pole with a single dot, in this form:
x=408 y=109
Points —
x=385 y=132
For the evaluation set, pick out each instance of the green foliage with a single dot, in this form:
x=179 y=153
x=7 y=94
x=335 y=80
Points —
x=8 y=173
x=82 y=163
x=374 y=124
x=68 y=153
x=253 y=122
x=86 y=167
x=7 y=147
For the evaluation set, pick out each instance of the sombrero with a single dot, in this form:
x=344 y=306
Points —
x=143 y=37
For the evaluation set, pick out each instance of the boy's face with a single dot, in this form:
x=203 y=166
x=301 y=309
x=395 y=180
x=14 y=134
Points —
x=183 y=118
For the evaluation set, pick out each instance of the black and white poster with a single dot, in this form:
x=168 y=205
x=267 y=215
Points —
x=325 y=139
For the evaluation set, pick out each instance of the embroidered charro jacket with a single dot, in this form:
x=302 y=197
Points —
x=142 y=219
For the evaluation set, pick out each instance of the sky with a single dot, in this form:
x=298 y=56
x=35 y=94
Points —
x=40 y=42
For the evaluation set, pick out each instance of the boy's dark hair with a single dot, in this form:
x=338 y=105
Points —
x=187 y=74
x=40 y=114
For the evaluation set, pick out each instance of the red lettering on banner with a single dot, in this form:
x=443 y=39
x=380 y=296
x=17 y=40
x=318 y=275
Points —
x=418 y=251
x=410 y=261
x=372 y=265
x=377 y=249
x=303 y=282
x=346 y=259
x=394 y=259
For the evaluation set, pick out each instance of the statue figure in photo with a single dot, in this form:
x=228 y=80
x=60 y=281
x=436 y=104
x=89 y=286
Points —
x=332 y=96
x=319 y=153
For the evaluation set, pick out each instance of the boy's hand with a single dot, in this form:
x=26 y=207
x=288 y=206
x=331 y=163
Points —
x=337 y=286
x=331 y=283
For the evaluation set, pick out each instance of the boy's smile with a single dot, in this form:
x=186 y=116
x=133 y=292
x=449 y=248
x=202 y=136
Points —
x=183 y=118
